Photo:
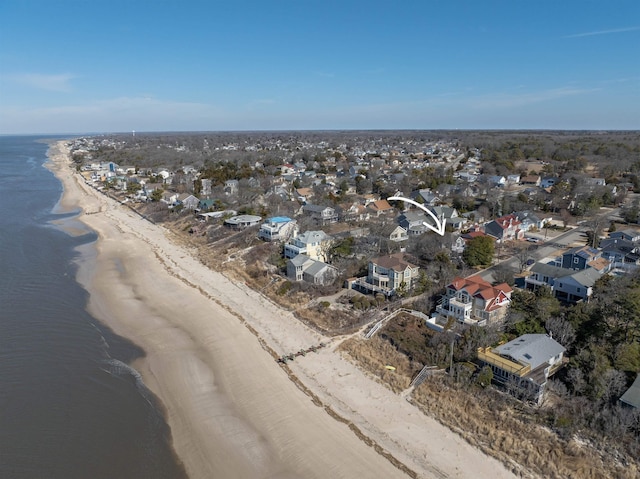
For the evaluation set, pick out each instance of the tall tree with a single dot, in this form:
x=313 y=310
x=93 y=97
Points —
x=479 y=251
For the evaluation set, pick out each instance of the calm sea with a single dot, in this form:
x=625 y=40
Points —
x=70 y=407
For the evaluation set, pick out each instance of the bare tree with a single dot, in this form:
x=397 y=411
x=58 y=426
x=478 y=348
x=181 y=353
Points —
x=561 y=330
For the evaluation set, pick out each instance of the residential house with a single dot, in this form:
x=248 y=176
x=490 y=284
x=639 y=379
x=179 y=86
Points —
x=215 y=215
x=188 y=201
x=568 y=285
x=505 y=228
x=303 y=194
x=314 y=244
x=474 y=301
x=242 y=221
x=524 y=365
x=583 y=257
x=169 y=197
x=531 y=180
x=620 y=251
x=165 y=175
x=321 y=214
x=413 y=221
x=577 y=287
x=206 y=186
x=513 y=179
x=398 y=234
x=304 y=268
x=149 y=188
x=549 y=181
x=356 y=212
x=369 y=198
x=530 y=193
x=280 y=190
x=530 y=220
x=467 y=176
x=286 y=169
x=231 y=187
x=473 y=233
x=379 y=207
x=425 y=196
x=628 y=234
x=277 y=228
x=450 y=216
x=499 y=181
x=541 y=274
x=458 y=244
x=387 y=274
x=205 y=205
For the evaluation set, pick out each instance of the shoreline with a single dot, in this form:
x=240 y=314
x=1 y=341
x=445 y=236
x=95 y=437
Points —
x=210 y=346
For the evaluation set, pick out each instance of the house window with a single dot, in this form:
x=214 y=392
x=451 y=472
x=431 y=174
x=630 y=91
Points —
x=578 y=290
x=560 y=285
x=575 y=260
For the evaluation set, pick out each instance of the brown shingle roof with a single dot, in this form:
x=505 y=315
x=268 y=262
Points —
x=394 y=261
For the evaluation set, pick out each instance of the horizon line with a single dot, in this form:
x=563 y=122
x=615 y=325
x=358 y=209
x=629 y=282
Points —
x=146 y=132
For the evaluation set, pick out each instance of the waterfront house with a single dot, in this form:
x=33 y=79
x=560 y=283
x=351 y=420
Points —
x=277 y=228
x=242 y=221
x=304 y=268
x=524 y=365
x=386 y=274
x=188 y=201
x=314 y=244
x=474 y=301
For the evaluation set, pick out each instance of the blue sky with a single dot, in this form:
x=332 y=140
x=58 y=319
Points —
x=114 y=66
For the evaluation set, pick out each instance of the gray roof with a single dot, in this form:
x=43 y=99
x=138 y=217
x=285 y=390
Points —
x=412 y=215
x=551 y=271
x=617 y=245
x=316 y=268
x=583 y=251
x=244 y=219
x=315 y=208
x=532 y=349
x=587 y=277
x=313 y=236
x=629 y=234
x=632 y=395
x=300 y=260
x=446 y=211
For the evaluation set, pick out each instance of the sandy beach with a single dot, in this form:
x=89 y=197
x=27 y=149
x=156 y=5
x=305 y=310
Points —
x=210 y=345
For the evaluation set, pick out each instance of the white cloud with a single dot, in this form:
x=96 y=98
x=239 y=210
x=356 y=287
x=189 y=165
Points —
x=60 y=82
x=602 y=32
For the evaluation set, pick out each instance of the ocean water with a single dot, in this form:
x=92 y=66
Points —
x=70 y=406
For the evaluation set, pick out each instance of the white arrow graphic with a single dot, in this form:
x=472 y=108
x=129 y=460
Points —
x=439 y=228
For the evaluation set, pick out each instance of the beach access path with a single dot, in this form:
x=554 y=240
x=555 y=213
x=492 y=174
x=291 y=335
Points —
x=210 y=349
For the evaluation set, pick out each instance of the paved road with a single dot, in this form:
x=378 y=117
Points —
x=537 y=251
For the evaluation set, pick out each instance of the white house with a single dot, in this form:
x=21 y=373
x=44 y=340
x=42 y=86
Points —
x=277 y=228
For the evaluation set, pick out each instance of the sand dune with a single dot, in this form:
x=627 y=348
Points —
x=232 y=409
